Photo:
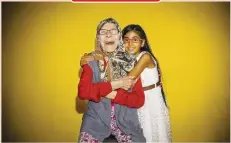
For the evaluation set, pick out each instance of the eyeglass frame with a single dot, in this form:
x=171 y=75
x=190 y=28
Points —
x=139 y=39
x=117 y=31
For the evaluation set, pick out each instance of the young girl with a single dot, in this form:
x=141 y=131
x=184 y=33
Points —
x=154 y=115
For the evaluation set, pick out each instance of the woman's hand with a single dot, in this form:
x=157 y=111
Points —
x=111 y=95
x=126 y=83
x=85 y=59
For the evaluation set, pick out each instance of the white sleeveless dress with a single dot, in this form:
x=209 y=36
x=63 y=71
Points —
x=154 y=115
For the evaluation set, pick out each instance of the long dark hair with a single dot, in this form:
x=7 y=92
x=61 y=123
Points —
x=139 y=30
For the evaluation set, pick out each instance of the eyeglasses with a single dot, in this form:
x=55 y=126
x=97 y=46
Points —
x=112 y=31
x=133 y=40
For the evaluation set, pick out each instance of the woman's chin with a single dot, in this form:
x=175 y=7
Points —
x=109 y=48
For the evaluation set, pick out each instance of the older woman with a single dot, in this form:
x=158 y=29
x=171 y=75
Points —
x=106 y=114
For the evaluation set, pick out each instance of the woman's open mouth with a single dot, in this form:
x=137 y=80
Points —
x=109 y=42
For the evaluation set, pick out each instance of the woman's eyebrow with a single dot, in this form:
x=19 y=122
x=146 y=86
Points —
x=109 y=29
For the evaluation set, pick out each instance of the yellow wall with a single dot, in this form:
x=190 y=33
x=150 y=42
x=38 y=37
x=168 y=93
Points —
x=43 y=43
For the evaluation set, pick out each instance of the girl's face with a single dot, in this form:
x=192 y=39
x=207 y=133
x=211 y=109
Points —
x=133 y=43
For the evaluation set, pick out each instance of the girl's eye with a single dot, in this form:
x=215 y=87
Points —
x=126 y=40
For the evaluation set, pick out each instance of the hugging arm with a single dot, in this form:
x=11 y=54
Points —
x=144 y=62
x=91 y=91
x=87 y=90
x=134 y=99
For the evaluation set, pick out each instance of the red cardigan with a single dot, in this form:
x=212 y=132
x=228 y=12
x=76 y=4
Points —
x=94 y=91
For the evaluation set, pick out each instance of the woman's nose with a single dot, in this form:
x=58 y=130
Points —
x=108 y=34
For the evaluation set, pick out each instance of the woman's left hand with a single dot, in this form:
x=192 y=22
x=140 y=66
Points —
x=111 y=95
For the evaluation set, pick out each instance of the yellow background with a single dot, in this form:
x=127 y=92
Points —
x=43 y=43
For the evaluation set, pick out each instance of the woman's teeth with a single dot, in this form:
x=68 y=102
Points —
x=110 y=43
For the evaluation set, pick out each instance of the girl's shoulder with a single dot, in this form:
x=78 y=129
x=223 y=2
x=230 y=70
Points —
x=145 y=55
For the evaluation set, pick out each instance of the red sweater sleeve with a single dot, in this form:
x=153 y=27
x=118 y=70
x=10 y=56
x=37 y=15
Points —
x=134 y=99
x=87 y=90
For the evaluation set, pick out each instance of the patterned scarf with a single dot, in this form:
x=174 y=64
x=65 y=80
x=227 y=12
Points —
x=119 y=62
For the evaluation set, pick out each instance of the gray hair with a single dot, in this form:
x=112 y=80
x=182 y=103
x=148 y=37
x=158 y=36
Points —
x=101 y=24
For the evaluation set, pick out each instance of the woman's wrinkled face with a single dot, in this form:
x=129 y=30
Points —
x=109 y=37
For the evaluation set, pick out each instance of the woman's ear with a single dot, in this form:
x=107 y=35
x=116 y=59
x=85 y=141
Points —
x=142 y=43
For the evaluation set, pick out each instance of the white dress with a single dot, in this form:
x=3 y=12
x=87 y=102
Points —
x=154 y=115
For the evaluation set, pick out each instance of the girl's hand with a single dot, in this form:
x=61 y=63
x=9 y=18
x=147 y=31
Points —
x=85 y=59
